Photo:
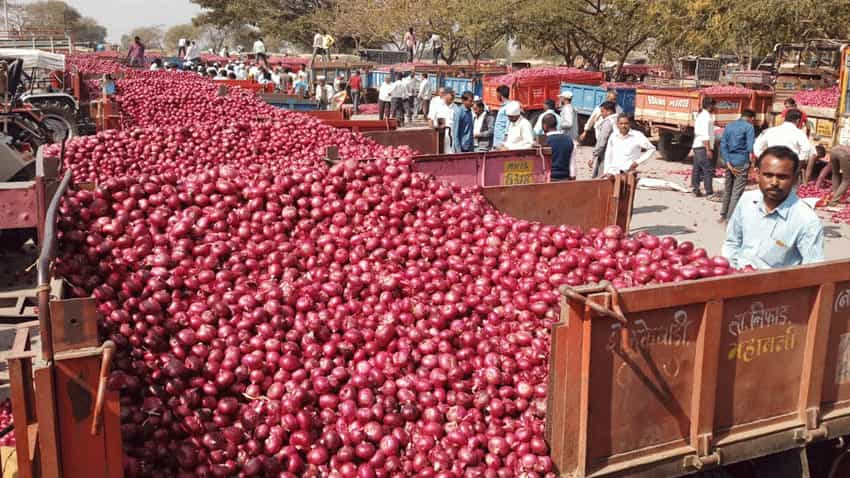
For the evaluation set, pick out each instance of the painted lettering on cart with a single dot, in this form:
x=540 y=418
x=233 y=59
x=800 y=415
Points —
x=641 y=336
x=728 y=105
x=842 y=301
x=757 y=318
x=750 y=349
x=517 y=172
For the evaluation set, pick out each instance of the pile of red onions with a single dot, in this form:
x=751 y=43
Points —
x=726 y=90
x=5 y=421
x=559 y=73
x=810 y=190
x=822 y=98
x=278 y=317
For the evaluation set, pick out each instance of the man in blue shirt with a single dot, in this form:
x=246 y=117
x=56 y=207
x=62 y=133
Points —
x=464 y=142
x=500 y=127
x=772 y=227
x=562 y=149
x=736 y=148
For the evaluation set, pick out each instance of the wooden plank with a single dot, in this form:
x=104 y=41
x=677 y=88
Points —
x=705 y=377
x=48 y=427
x=583 y=428
x=77 y=381
x=563 y=398
x=113 y=448
x=73 y=324
x=738 y=285
x=814 y=356
x=20 y=379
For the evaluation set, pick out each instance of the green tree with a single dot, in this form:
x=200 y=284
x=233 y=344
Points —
x=56 y=15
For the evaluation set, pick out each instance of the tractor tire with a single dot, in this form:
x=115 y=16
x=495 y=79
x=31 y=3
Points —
x=671 y=151
x=59 y=118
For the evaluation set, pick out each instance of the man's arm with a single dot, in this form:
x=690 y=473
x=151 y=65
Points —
x=567 y=120
x=499 y=128
x=467 y=135
x=734 y=238
x=702 y=129
x=760 y=144
x=751 y=133
x=592 y=120
x=807 y=150
x=648 y=150
x=609 y=153
x=810 y=244
x=724 y=145
x=604 y=133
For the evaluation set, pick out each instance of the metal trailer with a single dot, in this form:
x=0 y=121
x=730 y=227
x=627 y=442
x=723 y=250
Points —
x=668 y=380
x=668 y=115
x=66 y=423
x=588 y=97
x=423 y=140
x=532 y=93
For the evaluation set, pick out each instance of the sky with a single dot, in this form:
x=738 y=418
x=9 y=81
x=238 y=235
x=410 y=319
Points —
x=121 y=16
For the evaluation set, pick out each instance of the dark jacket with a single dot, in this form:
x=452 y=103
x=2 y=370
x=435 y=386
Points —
x=562 y=154
x=485 y=138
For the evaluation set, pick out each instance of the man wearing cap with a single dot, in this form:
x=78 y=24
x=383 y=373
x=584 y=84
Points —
x=324 y=93
x=569 y=118
x=519 y=135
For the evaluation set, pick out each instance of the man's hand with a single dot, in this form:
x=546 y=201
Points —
x=582 y=135
x=709 y=153
x=590 y=163
x=633 y=167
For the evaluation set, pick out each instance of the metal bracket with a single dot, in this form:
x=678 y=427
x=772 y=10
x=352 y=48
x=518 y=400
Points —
x=699 y=463
x=811 y=435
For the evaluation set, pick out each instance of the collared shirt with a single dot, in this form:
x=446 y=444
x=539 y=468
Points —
x=520 y=135
x=436 y=41
x=569 y=120
x=324 y=93
x=624 y=151
x=603 y=129
x=538 y=125
x=259 y=47
x=736 y=144
x=596 y=114
x=398 y=89
x=440 y=110
x=355 y=83
x=193 y=52
x=181 y=42
x=385 y=91
x=500 y=127
x=790 y=235
x=137 y=51
x=464 y=129
x=425 y=90
x=411 y=86
x=318 y=40
x=786 y=134
x=704 y=130
x=409 y=39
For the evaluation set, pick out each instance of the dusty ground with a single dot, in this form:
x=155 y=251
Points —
x=686 y=217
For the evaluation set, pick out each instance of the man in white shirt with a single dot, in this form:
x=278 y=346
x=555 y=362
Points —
x=436 y=47
x=426 y=92
x=433 y=106
x=610 y=95
x=703 y=168
x=193 y=53
x=627 y=148
x=569 y=118
x=324 y=93
x=181 y=48
x=442 y=108
x=397 y=95
x=318 y=46
x=260 y=53
x=384 y=98
x=412 y=92
x=787 y=134
x=520 y=135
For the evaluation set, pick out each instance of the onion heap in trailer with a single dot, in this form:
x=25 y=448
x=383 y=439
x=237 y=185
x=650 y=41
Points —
x=279 y=317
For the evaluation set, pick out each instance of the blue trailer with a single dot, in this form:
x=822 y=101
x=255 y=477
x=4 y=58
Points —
x=375 y=78
x=289 y=102
x=586 y=97
x=459 y=85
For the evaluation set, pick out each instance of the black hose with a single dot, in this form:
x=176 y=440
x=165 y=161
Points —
x=48 y=245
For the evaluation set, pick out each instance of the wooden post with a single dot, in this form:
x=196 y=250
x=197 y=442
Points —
x=706 y=358
x=814 y=356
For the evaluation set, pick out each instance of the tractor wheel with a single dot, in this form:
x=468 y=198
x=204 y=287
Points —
x=671 y=151
x=59 y=118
